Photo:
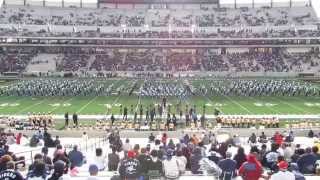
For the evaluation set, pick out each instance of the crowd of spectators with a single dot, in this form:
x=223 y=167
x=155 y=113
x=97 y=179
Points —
x=150 y=60
x=160 y=23
x=275 y=157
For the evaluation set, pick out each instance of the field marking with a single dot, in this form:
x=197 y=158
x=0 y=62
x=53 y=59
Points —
x=14 y=102
x=31 y=106
x=272 y=109
x=55 y=108
x=86 y=105
x=293 y=106
x=235 y=102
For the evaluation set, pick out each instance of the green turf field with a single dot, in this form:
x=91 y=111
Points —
x=111 y=104
x=98 y=105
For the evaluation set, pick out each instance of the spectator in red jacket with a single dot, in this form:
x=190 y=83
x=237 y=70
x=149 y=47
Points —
x=278 y=138
x=251 y=169
x=18 y=138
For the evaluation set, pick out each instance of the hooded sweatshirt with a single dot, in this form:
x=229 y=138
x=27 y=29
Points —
x=251 y=169
x=194 y=160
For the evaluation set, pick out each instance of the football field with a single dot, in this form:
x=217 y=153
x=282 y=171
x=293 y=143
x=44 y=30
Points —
x=113 y=102
x=103 y=105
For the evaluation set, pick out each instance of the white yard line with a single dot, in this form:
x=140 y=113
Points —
x=272 y=109
x=31 y=106
x=86 y=105
x=293 y=106
x=53 y=109
x=235 y=102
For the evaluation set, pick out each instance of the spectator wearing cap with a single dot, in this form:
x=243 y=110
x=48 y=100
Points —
x=93 y=171
x=130 y=168
x=228 y=167
x=251 y=169
x=113 y=160
x=295 y=170
x=10 y=173
x=76 y=157
x=283 y=172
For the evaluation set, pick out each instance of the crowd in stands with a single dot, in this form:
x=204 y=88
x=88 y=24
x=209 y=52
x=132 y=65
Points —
x=46 y=21
x=160 y=17
x=275 y=157
x=151 y=60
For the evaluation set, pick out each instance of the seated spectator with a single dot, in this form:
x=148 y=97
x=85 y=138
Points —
x=295 y=170
x=228 y=167
x=306 y=162
x=130 y=168
x=194 y=160
x=251 y=169
x=171 y=169
x=240 y=157
x=283 y=172
x=154 y=165
x=76 y=157
x=182 y=162
x=100 y=159
x=151 y=138
x=3 y=162
x=38 y=171
x=10 y=172
x=60 y=171
x=93 y=171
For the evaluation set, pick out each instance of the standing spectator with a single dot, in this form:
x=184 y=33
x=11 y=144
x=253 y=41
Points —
x=251 y=169
x=278 y=138
x=113 y=160
x=228 y=167
x=283 y=173
x=76 y=157
x=56 y=141
x=66 y=119
x=240 y=157
x=272 y=156
x=75 y=119
x=130 y=168
x=46 y=159
x=93 y=171
x=10 y=173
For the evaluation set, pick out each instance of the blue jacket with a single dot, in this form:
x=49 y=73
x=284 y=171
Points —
x=76 y=158
x=228 y=167
x=306 y=163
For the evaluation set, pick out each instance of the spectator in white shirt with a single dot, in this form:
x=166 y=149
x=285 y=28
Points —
x=283 y=173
